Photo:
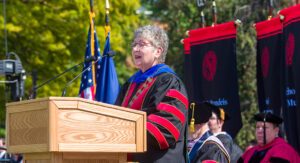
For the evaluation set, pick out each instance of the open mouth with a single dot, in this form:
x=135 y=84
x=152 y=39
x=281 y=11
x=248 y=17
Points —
x=137 y=57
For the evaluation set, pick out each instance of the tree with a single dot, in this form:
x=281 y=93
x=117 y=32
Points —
x=50 y=37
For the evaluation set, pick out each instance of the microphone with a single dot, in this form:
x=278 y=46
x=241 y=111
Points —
x=90 y=59
x=111 y=53
x=86 y=61
x=64 y=92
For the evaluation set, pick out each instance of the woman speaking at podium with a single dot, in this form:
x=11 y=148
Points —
x=157 y=90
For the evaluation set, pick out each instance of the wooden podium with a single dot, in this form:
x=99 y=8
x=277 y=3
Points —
x=74 y=130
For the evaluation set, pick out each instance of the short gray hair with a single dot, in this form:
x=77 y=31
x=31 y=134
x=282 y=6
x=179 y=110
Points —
x=158 y=38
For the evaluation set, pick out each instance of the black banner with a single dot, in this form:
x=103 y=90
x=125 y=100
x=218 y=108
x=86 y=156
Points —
x=188 y=81
x=291 y=74
x=214 y=72
x=269 y=45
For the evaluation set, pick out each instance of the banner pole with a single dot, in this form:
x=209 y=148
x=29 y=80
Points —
x=201 y=4
x=202 y=19
x=214 y=10
x=270 y=9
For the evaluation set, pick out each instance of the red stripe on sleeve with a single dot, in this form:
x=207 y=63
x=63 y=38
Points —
x=175 y=94
x=166 y=124
x=162 y=142
x=173 y=110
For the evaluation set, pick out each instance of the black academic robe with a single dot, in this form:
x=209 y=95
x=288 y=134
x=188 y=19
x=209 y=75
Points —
x=164 y=99
x=234 y=150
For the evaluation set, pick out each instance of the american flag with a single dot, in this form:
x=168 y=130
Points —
x=88 y=79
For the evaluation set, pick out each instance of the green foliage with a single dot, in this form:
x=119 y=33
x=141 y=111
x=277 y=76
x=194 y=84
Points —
x=2 y=107
x=50 y=37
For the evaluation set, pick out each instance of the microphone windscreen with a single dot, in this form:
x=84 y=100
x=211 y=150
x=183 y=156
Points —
x=90 y=59
x=111 y=53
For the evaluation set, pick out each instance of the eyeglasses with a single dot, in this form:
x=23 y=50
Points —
x=140 y=44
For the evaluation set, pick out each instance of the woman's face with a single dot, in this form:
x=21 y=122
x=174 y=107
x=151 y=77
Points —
x=214 y=124
x=144 y=54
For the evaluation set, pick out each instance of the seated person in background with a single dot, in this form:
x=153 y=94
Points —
x=202 y=144
x=215 y=124
x=270 y=148
x=8 y=157
x=2 y=148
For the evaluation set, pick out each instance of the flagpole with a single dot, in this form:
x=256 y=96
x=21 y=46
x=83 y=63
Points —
x=107 y=27
x=91 y=5
x=92 y=15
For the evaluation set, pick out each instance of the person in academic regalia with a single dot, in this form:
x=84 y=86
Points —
x=270 y=148
x=202 y=144
x=215 y=123
x=157 y=90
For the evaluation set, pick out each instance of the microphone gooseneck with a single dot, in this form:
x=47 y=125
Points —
x=87 y=60
x=64 y=92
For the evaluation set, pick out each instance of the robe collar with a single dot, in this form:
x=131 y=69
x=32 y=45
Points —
x=274 y=142
x=140 y=77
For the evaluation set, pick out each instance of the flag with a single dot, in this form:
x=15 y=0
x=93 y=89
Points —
x=291 y=77
x=214 y=71
x=268 y=59
x=107 y=80
x=88 y=80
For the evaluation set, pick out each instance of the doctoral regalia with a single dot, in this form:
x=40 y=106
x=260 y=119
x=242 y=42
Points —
x=276 y=151
x=161 y=94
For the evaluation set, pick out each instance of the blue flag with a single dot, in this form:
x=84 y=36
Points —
x=107 y=80
x=88 y=79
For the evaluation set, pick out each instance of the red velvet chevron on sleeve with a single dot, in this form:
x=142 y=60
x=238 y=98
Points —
x=162 y=142
x=166 y=124
x=172 y=110
x=175 y=94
